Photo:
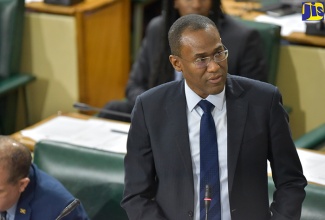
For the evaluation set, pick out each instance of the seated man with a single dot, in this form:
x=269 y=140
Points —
x=27 y=192
x=153 y=68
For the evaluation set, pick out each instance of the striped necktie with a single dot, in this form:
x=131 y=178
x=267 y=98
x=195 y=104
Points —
x=209 y=165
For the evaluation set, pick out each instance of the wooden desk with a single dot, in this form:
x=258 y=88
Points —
x=78 y=53
x=243 y=10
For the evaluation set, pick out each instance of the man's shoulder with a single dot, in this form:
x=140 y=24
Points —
x=42 y=194
x=50 y=186
x=155 y=23
x=248 y=84
x=165 y=89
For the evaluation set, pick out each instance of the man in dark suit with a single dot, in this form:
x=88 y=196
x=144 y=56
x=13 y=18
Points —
x=27 y=193
x=153 y=68
x=162 y=164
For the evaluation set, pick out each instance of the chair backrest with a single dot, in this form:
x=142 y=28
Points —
x=271 y=37
x=313 y=139
x=97 y=179
x=11 y=35
x=93 y=176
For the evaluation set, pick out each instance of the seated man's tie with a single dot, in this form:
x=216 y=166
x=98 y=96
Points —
x=209 y=164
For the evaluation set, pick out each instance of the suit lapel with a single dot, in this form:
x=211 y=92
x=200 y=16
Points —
x=237 y=109
x=176 y=112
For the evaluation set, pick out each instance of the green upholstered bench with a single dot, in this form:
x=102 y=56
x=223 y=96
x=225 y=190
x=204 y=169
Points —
x=271 y=38
x=313 y=139
x=95 y=177
x=12 y=81
x=313 y=207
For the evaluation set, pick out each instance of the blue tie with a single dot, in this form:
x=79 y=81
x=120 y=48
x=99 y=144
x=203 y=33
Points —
x=209 y=163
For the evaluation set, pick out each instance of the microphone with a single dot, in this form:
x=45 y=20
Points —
x=84 y=107
x=68 y=209
x=207 y=200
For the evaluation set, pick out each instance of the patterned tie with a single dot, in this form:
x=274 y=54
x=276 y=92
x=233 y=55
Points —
x=209 y=163
x=3 y=215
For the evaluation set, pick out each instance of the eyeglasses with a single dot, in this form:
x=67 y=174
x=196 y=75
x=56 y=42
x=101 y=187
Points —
x=201 y=63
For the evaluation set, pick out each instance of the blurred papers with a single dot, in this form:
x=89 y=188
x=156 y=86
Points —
x=313 y=165
x=93 y=133
x=288 y=23
x=28 y=1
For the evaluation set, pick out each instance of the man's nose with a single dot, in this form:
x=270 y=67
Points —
x=213 y=66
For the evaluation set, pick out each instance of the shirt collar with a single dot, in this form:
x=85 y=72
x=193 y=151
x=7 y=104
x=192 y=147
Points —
x=192 y=98
x=11 y=211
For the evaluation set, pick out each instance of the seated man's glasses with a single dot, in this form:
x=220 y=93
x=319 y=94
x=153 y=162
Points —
x=201 y=63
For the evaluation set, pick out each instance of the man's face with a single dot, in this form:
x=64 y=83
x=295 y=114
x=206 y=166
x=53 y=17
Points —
x=211 y=79
x=185 y=7
x=10 y=193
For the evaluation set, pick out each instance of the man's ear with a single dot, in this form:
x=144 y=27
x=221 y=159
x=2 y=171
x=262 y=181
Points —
x=23 y=184
x=175 y=62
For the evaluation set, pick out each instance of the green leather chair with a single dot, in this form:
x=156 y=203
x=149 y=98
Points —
x=312 y=140
x=97 y=179
x=11 y=80
x=93 y=176
x=271 y=37
x=313 y=207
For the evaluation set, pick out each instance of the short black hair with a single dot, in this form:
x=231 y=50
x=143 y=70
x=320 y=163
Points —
x=191 y=22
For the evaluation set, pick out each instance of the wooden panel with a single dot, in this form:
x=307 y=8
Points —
x=100 y=58
x=104 y=53
x=87 y=5
x=301 y=80
x=52 y=57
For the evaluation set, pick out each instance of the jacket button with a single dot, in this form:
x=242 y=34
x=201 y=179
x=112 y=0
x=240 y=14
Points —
x=190 y=213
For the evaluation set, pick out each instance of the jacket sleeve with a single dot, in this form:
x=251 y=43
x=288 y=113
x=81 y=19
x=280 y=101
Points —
x=286 y=167
x=140 y=175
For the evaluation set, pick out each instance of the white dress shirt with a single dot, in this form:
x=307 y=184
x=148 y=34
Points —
x=219 y=113
x=178 y=75
x=11 y=212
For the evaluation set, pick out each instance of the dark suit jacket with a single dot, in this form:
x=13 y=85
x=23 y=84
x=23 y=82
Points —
x=246 y=57
x=45 y=198
x=158 y=165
